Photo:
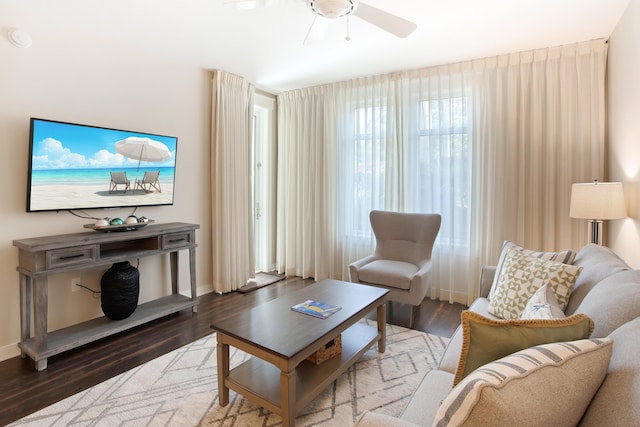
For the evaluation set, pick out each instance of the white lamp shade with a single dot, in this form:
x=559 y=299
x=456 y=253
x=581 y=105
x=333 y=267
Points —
x=597 y=200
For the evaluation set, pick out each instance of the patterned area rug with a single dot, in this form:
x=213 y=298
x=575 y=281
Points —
x=180 y=389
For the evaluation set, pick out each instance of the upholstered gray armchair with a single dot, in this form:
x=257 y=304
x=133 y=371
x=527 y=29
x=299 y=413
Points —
x=402 y=259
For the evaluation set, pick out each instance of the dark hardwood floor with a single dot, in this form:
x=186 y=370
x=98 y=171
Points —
x=23 y=390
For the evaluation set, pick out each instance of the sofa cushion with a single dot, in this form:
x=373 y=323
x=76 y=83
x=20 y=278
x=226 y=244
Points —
x=620 y=389
x=522 y=275
x=565 y=257
x=424 y=404
x=485 y=340
x=597 y=262
x=542 y=385
x=543 y=305
x=613 y=302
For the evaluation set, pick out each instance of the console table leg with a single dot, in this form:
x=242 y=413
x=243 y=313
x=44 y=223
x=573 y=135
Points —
x=41 y=365
x=173 y=261
x=40 y=312
x=192 y=276
x=382 y=327
x=223 y=371
x=25 y=310
x=288 y=397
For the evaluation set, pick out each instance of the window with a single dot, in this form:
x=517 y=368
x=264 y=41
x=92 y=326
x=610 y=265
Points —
x=440 y=166
x=369 y=166
x=427 y=170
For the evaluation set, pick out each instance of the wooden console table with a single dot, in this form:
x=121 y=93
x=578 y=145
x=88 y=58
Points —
x=41 y=257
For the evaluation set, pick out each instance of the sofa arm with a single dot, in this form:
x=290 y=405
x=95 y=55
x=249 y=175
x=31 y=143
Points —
x=486 y=280
x=373 y=419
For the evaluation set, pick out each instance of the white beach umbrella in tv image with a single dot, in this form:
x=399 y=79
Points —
x=143 y=149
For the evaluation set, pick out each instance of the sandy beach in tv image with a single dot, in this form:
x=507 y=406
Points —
x=82 y=167
x=94 y=193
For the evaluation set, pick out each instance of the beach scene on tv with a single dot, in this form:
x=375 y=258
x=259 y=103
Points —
x=81 y=167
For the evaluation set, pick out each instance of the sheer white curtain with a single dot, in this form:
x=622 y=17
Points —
x=492 y=145
x=231 y=174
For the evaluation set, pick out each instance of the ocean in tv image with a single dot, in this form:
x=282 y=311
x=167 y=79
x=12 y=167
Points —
x=77 y=167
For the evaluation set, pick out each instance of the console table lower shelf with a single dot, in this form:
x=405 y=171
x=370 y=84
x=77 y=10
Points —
x=79 y=334
x=260 y=380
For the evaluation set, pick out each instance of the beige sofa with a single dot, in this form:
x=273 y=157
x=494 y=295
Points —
x=608 y=291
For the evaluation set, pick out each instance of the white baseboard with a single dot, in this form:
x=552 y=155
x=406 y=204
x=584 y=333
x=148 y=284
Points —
x=9 y=351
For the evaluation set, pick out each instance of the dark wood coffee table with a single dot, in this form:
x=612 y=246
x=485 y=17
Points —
x=279 y=378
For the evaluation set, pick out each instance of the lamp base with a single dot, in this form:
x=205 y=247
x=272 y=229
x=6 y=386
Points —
x=594 y=231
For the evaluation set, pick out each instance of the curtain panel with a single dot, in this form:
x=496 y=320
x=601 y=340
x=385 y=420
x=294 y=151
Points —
x=231 y=175
x=493 y=145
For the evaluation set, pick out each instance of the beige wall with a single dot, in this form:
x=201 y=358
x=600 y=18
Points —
x=623 y=136
x=106 y=85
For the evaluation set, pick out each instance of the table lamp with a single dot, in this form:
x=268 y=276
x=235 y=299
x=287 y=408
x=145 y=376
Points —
x=597 y=201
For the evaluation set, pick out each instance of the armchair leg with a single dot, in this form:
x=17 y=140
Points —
x=414 y=313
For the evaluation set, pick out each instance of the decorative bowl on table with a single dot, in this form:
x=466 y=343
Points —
x=118 y=227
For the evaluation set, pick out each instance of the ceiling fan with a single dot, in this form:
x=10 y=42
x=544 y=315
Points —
x=327 y=10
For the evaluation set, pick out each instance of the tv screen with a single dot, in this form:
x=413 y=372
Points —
x=74 y=166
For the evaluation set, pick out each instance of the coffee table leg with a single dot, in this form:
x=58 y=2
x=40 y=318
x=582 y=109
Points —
x=288 y=397
x=223 y=371
x=382 y=327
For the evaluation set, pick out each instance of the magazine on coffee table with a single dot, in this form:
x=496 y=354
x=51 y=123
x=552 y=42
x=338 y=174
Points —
x=316 y=308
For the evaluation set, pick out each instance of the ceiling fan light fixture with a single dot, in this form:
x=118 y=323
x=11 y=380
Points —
x=332 y=8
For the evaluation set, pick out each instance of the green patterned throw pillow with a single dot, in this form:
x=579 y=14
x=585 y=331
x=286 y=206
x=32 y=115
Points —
x=566 y=257
x=522 y=275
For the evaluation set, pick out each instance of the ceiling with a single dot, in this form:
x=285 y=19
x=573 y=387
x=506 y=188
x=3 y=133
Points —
x=265 y=44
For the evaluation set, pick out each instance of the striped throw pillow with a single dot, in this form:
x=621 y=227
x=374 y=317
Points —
x=550 y=384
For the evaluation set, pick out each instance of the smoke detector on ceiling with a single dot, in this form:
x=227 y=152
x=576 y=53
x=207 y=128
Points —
x=19 y=38
x=332 y=8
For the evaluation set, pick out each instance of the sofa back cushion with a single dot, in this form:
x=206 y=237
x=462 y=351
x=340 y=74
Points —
x=620 y=390
x=597 y=262
x=613 y=302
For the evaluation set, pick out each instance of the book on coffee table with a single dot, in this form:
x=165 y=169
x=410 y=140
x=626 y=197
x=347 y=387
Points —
x=316 y=308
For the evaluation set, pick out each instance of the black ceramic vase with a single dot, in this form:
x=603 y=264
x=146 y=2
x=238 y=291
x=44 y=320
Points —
x=120 y=288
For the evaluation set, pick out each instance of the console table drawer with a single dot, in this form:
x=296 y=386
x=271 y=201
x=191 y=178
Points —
x=59 y=258
x=176 y=240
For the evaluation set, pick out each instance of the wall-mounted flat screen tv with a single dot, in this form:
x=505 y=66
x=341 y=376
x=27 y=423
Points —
x=75 y=166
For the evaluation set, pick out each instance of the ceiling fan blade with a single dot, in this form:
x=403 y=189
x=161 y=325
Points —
x=317 y=30
x=397 y=26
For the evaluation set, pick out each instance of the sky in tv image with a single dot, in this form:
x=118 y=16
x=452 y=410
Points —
x=67 y=146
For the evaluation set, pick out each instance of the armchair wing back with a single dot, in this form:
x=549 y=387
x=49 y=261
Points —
x=404 y=236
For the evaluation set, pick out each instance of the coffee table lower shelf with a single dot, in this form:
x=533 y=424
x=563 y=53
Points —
x=260 y=381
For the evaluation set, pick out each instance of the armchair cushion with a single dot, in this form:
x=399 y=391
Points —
x=397 y=274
